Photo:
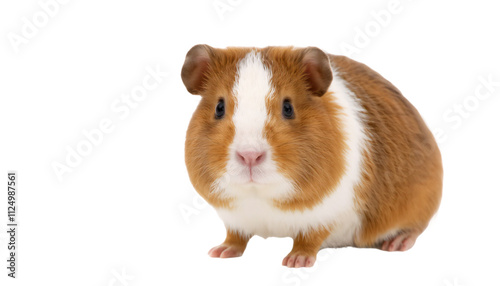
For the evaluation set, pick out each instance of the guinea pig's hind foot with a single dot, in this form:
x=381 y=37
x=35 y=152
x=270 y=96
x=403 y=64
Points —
x=401 y=242
x=225 y=251
x=294 y=260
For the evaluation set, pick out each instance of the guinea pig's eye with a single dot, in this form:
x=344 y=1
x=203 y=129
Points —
x=220 y=109
x=288 y=109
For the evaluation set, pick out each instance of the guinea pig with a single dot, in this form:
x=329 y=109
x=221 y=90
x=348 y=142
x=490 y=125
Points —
x=295 y=142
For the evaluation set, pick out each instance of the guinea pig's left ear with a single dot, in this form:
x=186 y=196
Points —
x=195 y=67
x=317 y=70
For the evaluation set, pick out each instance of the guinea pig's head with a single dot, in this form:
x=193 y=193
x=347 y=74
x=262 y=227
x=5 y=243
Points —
x=266 y=124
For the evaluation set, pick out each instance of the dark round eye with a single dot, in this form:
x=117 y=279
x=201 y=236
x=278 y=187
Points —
x=220 y=109
x=288 y=109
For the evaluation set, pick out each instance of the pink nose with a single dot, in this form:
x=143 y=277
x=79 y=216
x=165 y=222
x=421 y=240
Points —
x=251 y=158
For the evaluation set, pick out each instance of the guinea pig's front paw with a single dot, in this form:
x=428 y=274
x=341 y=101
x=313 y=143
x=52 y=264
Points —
x=233 y=246
x=226 y=251
x=296 y=259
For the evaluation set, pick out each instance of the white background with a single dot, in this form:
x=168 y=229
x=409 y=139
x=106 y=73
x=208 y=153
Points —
x=128 y=208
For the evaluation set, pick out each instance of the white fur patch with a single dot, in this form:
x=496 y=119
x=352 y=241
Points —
x=253 y=211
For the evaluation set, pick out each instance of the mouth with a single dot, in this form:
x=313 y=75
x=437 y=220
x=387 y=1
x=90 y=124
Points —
x=251 y=175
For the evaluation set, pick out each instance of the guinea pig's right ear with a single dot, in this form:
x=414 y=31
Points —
x=195 y=68
x=317 y=70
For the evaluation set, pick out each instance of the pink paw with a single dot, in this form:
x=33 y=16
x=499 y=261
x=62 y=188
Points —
x=296 y=261
x=400 y=242
x=225 y=251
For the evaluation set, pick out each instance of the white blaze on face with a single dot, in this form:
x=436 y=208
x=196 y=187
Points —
x=252 y=87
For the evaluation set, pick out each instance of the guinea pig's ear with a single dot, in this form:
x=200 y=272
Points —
x=317 y=70
x=195 y=67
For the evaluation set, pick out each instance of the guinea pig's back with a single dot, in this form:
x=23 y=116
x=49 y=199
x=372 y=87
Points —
x=401 y=186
